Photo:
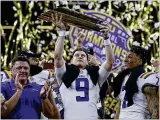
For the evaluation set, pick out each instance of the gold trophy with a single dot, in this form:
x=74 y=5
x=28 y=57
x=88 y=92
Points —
x=73 y=18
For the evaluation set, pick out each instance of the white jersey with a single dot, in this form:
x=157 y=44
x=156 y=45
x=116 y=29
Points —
x=5 y=76
x=139 y=109
x=42 y=77
x=81 y=97
x=123 y=92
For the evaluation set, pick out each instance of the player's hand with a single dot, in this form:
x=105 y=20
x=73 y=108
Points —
x=110 y=90
x=45 y=89
x=18 y=85
x=57 y=20
x=104 y=28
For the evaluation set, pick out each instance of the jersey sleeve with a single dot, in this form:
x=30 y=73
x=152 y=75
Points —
x=103 y=74
x=41 y=77
x=152 y=80
x=59 y=73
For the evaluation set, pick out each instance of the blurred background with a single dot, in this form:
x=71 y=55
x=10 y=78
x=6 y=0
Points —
x=21 y=30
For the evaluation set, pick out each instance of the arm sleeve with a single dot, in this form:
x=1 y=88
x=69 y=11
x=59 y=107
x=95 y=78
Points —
x=103 y=74
x=151 y=81
x=59 y=73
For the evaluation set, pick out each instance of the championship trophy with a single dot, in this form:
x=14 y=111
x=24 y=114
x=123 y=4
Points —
x=73 y=18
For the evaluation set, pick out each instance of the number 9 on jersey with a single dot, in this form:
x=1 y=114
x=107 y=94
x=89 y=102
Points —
x=82 y=85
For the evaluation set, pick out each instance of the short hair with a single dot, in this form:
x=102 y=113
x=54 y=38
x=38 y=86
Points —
x=80 y=49
x=20 y=58
x=141 y=52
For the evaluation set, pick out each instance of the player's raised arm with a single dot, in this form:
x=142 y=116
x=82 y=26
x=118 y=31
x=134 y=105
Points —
x=108 y=49
x=59 y=48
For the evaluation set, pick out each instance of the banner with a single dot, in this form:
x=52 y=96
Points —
x=118 y=37
x=111 y=105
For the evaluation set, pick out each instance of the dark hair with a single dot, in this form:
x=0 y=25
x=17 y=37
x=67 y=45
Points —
x=90 y=51
x=20 y=58
x=141 y=52
x=80 y=49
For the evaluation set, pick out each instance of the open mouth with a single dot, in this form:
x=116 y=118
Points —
x=79 y=60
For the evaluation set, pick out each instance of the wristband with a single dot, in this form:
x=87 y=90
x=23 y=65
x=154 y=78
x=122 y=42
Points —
x=107 y=42
x=62 y=33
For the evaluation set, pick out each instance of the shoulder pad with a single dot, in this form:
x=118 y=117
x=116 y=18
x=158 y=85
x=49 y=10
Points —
x=145 y=75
